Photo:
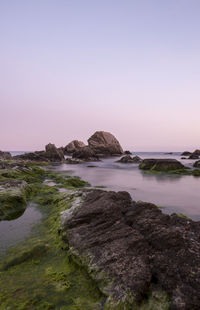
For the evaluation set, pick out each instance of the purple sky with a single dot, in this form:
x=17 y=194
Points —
x=69 y=68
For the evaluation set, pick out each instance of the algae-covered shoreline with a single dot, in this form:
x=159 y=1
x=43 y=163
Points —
x=87 y=252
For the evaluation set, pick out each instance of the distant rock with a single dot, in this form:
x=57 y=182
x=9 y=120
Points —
x=104 y=143
x=197 y=164
x=85 y=153
x=169 y=153
x=129 y=159
x=5 y=155
x=51 y=154
x=193 y=156
x=161 y=164
x=196 y=152
x=127 y=153
x=73 y=146
x=139 y=257
x=186 y=153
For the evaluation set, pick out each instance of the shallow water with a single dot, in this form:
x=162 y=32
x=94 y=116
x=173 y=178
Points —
x=15 y=231
x=175 y=193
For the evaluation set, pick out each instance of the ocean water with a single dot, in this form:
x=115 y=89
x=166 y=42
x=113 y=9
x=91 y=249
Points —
x=175 y=193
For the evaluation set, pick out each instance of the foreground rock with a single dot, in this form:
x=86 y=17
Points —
x=51 y=154
x=73 y=146
x=5 y=155
x=161 y=164
x=129 y=159
x=104 y=143
x=133 y=250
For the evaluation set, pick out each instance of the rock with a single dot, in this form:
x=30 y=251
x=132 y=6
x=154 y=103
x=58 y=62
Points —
x=53 y=154
x=132 y=250
x=169 y=153
x=12 y=198
x=183 y=158
x=73 y=146
x=5 y=155
x=161 y=164
x=127 y=153
x=197 y=164
x=73 y=161
x=196 y=152
x=129 y=159
x=85 y=153
x=186 y=153
x=193 y=156
x=105 y=143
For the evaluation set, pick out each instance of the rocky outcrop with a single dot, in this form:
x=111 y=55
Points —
x=197 y=164
x=193 y=156
x=104 y=143
x=133 y=251
x=127 y=153
x=86 y=154
x=73 y=146
x=186 y=153
x=51 y=154
x=161 y=164
x=196 y=152
x=5 y=155
x=129 y=159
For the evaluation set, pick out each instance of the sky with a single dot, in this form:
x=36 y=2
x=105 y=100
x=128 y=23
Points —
x=69 y=68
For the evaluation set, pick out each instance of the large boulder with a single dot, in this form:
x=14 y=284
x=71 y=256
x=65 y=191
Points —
x=134 y=252
x=85 y=153
x=53 y=154
x=104 y=143
x=5 y=155
x=196 y=152
x=73 y=146
x=128 y=159
x=161 y=164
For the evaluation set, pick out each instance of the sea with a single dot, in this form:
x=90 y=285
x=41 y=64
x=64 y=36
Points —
x=172 y=193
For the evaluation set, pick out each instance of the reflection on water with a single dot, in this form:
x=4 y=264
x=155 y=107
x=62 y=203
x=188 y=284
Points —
x=15 y=231
x=175 y=193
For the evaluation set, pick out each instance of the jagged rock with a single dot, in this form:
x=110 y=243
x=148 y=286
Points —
x=51 y=154
x=197 y=164
x=85 y=153
x=161 y=164
x=131 y=249
x=186 y=153
x=196 y=152
x=73 y=146
x=129 y=159
x=127 y=153
x=5 y=155
x=104 y=143
x=193 y=156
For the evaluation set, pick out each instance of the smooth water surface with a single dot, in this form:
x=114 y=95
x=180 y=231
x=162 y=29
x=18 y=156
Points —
x=180 y=194
x=15 y=231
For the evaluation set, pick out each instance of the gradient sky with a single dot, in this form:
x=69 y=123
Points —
x=69 y=68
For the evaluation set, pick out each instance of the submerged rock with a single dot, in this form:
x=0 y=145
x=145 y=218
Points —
x=132 y=250
x=129 y=159
x=161 y=164
x=73 y=146
x=104 y=143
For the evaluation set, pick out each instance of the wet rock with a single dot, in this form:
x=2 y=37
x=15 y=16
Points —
x=74 y=161
x=186 y=153
x=85 y=153
x=129 y=159
x=131 y=249
x=105 y=143
x=161 y=164
x=197 y=164
x=5 y=155
x=127 y=153
x=73 y=146
x=196 y=152
x=193 y=156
